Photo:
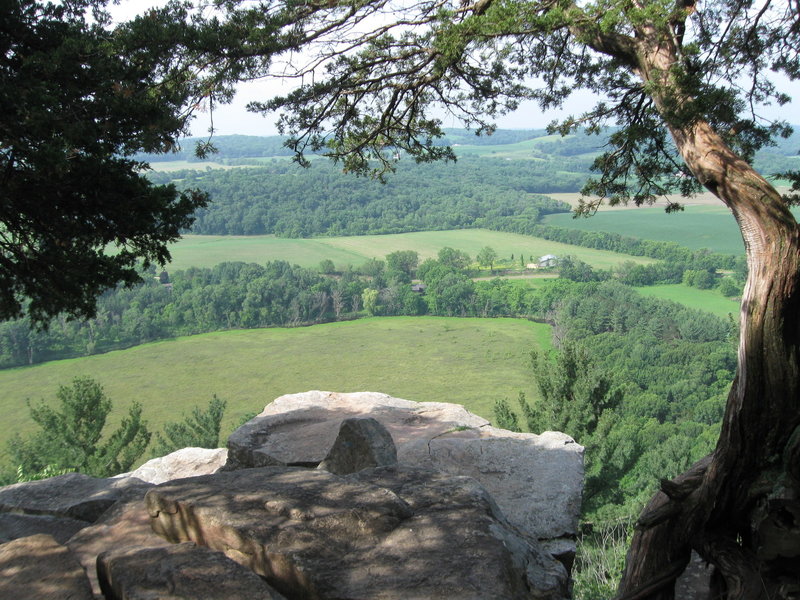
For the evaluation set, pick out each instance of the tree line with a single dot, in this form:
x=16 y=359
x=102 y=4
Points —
x=241 y=295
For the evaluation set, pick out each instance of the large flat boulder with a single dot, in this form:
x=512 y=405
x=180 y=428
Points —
x=537 y=480
x=386 y=533
x=73 y=495
x=38 y=567
x=186 y=462
x=178 y=572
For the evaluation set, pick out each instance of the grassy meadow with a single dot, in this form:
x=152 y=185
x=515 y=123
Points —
x=708 y=300
x=209 y=250
x=472 y=362
x=524 y=150
x=698 y=226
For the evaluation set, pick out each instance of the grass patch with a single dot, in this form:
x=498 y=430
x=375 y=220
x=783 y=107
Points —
x=209 y=250
x=696 y=227
x=472 y=362
x=709 y=300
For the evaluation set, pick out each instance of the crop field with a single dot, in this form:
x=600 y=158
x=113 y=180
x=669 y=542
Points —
x=698 y=226
x=525 y=150
x=709 y=300
x=209 y=250
x=473 y=362
x=703 y=199
x=520 y=150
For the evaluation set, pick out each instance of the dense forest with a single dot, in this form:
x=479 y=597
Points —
x=270 y=194
x=284 y=199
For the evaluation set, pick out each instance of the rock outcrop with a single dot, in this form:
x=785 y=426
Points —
x=187 y=571
x=361 y=444
x=323 y=495
x=186 y=462
x=536 y=480
x=73 y=495
x=391 y=533
x=14 y=526
x=37 y=566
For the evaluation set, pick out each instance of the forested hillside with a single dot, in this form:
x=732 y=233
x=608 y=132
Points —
x=231 y=148
x=498 y=184
x=283 y=199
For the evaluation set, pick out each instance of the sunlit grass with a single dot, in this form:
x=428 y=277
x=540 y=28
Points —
x=709 y=300
x=472 y=362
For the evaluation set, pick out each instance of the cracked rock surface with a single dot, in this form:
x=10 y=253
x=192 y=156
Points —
x=536 y=480
x=387 y=533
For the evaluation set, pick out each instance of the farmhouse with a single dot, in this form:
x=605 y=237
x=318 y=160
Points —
x=547 y=261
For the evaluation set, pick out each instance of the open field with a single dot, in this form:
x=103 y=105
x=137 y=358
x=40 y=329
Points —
x=700 y=226
x=709 y=300
x=518 y=151
x=472 y=362
x=704 y=199
x=192 y=165
x=209 y=250
x=524 y=150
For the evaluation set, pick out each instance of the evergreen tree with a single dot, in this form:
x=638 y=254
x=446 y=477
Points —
x=504 y=417
x=198 y=430
x=72 y=438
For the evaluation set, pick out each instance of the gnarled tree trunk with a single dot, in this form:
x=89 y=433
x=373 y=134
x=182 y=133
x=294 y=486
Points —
x=740 y=507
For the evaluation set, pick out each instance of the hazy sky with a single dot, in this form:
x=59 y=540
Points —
x=235 y=119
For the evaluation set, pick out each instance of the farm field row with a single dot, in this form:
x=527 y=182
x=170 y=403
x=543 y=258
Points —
x=472 y=362
x=209 y=250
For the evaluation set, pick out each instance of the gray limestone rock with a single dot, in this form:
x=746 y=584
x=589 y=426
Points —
x=37 y=567
x=384 y=534
x=72 y=495
x=537 y=480
x=186 y=462
x=362 y=443
x=126 y=524
x=695 y=581
x=178 y=572
x=299 y=429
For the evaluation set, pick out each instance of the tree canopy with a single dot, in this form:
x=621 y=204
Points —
x=73 y=437
x=684 y=84
x=79 y=99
